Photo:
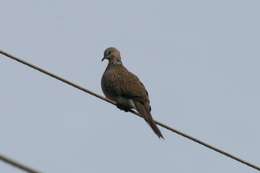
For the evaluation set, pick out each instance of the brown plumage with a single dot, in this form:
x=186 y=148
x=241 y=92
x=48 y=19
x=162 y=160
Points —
x=125 y=88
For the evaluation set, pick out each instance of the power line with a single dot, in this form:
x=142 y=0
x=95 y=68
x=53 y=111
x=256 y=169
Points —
x=17 y=164
x=134 y=112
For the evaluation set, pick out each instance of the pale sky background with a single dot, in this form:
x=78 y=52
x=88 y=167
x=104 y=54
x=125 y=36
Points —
x=198 y=59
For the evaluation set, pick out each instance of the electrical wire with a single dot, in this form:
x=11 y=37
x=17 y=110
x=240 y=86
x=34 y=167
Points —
x=196 y=140
x=17 y=164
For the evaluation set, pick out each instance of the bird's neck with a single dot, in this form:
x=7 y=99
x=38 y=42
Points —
x=112 y=65
x=115 y=62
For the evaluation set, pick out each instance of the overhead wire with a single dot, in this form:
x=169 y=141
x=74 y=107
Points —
x=196 y=140
x=18 y=165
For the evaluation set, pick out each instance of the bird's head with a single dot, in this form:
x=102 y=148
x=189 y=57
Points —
x=112 y=55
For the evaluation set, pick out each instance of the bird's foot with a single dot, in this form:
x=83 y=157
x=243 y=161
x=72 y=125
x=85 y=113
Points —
x=122 y=107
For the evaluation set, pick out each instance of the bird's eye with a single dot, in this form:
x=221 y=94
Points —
x=109 y=52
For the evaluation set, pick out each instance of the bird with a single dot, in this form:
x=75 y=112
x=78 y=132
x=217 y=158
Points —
x=125 y=88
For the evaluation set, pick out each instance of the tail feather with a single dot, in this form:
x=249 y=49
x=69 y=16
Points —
x=155 y=129
x=148 y=118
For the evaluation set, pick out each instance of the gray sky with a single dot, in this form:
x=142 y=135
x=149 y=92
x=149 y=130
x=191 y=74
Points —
x=198 y=59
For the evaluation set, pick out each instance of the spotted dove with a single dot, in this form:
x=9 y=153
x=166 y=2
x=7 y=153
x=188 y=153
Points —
x=123 y=87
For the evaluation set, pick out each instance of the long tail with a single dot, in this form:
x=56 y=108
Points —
x=148 y=118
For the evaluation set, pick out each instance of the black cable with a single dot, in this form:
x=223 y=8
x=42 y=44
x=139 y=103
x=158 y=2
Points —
x=110 y=101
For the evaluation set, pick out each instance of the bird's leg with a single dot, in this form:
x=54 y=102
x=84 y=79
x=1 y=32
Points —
x=123 y=104
x=122 y=107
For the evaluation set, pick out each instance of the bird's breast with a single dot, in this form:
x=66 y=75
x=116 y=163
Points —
x=110 y=84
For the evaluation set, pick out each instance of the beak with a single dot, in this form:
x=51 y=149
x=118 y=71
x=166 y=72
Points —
x=104 y=58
